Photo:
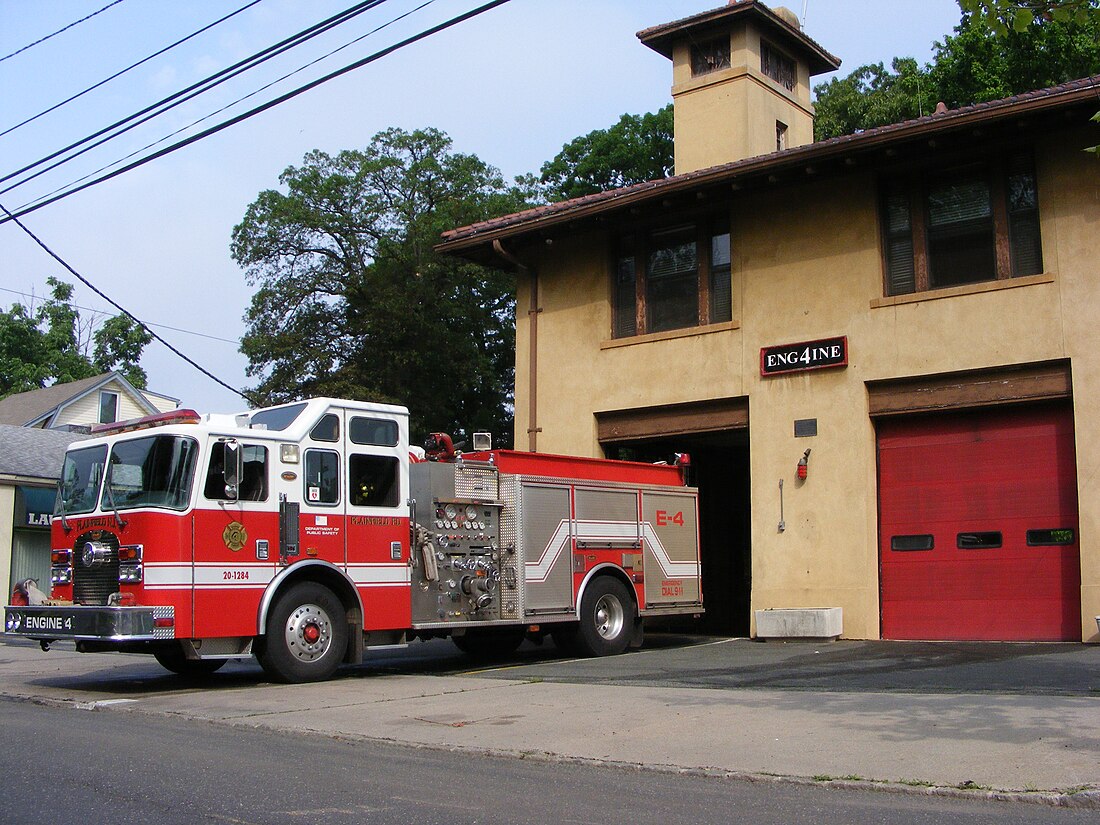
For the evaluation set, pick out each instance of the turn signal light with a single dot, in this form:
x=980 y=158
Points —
x=61 y=557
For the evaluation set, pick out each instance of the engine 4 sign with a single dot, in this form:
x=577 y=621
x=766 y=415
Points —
x=807 y=355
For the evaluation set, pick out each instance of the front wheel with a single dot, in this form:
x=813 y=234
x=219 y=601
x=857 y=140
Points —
x=306 y=635
x=608 y=618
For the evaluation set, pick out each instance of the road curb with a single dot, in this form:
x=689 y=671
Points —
x=1087 y=798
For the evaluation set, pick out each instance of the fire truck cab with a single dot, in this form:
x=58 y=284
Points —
x=307 y=532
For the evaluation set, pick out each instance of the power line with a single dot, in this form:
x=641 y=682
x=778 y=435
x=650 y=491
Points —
x=34 y=297
x=206 y=117
x=66 y=28
x=259 y=109
x=192 y=91
x=128 y=314
x=132 y=66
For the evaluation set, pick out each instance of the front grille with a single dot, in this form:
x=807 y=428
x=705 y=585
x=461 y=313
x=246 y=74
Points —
x=93 y=585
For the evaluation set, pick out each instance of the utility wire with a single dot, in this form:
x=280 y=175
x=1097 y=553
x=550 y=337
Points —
x=259 y=109
x=66 y=28
x=224 y=108
x=132 y=66
x=191 y=92
x=34 y=297
x=127 y=313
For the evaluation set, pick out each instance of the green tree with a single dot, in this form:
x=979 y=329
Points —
x=53 y=344
x=352 y=301
x=637 y=149
x=973 y=65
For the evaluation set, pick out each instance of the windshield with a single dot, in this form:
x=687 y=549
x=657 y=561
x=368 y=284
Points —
x=80 y=478
x=156 y=471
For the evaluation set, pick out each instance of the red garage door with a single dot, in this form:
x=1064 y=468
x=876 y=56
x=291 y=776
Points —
x=978 y=526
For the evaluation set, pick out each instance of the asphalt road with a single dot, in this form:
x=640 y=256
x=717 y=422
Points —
x=66 y=766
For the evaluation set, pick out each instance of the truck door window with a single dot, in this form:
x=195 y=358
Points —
x=253 y=473
x=373 y=480
x=375 y=432
x=327 y=429
x=322 y=477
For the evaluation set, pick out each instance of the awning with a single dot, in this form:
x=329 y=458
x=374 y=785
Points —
x=34 y=506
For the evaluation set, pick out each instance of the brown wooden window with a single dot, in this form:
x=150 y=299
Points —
x=972 y=223
x=777 y=66
x=710 y=56
x=672 y=278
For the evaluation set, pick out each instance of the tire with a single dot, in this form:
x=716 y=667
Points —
x=171 y=657
x=490 y=643
x=608 y=618
x=307 y=635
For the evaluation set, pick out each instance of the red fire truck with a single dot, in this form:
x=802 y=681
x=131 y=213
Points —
x=305 y=533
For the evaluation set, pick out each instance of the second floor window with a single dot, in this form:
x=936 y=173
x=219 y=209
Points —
x=710 y=56
x=973 y=223
x=673 y=278
x=777 y=66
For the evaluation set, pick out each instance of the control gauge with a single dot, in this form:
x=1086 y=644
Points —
x=471 y=513
x=451 y=512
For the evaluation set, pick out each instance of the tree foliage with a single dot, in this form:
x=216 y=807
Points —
x=351 y=300
x=53 y=344
x=973 y=65
x=637 y=149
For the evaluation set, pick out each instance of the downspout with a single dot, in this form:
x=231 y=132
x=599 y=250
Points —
x=533 y=429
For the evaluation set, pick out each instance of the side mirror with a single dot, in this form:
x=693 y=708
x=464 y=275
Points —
x=232 y=468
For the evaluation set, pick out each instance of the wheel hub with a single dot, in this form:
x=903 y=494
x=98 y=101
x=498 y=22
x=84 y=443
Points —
x=308 y=632
x=610 y=617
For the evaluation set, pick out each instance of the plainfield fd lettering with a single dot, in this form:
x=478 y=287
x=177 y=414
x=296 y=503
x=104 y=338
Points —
x=306 y=533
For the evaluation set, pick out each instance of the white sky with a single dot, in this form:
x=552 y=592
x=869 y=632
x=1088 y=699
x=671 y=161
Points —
x=511 y=86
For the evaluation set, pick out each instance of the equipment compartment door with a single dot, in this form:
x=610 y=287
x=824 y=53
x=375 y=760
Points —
x=547 y=537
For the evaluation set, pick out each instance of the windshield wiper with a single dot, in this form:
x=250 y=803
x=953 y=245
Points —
x=114 y=507
x=61 y=506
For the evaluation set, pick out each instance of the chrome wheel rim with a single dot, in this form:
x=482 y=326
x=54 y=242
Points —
x=308 y=632
x=610 y=617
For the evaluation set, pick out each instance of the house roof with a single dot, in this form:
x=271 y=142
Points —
x=661 y=38
x=33 y=454
x=969 y=123
x=29 y=408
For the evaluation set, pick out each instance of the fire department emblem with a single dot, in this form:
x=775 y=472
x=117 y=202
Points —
x=235 y=536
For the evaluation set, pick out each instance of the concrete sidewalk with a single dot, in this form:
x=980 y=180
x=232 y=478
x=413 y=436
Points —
x=1043 y=746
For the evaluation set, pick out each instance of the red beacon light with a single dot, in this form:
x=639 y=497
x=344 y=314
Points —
x=144 y=423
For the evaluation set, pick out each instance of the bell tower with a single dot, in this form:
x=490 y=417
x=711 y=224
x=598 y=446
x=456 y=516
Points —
x=740 y=82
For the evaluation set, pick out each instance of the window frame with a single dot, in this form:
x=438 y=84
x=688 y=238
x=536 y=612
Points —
x=912 y=188
x=308 y=454
x=636 y=242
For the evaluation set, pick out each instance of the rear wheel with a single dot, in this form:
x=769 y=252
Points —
x=171 y=657
x=608 y=618
x=306 y=635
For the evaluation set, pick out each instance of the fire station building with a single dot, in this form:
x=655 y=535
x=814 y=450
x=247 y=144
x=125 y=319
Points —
x=879 y=350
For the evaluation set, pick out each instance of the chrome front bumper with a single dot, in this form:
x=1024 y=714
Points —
x=122 y=624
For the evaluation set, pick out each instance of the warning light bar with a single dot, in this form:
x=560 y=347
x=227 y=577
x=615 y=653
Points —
x=144 y=423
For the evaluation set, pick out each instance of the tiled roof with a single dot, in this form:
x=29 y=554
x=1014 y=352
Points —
x=25 y=407
x=1066 y=94
x=659 y=38
x=32 y=453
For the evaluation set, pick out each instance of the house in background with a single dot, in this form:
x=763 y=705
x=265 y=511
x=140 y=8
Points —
x=881 y=350
x=101 y=399
x=30 y=464
x=35 y=429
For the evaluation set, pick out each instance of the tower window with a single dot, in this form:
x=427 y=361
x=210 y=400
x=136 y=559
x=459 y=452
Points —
x=710 y=56
x=780 y=136
x=777 y=66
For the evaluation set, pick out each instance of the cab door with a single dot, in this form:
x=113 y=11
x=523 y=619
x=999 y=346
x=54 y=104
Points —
x=322 y=522
x=378 y=517
x=236 y=538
